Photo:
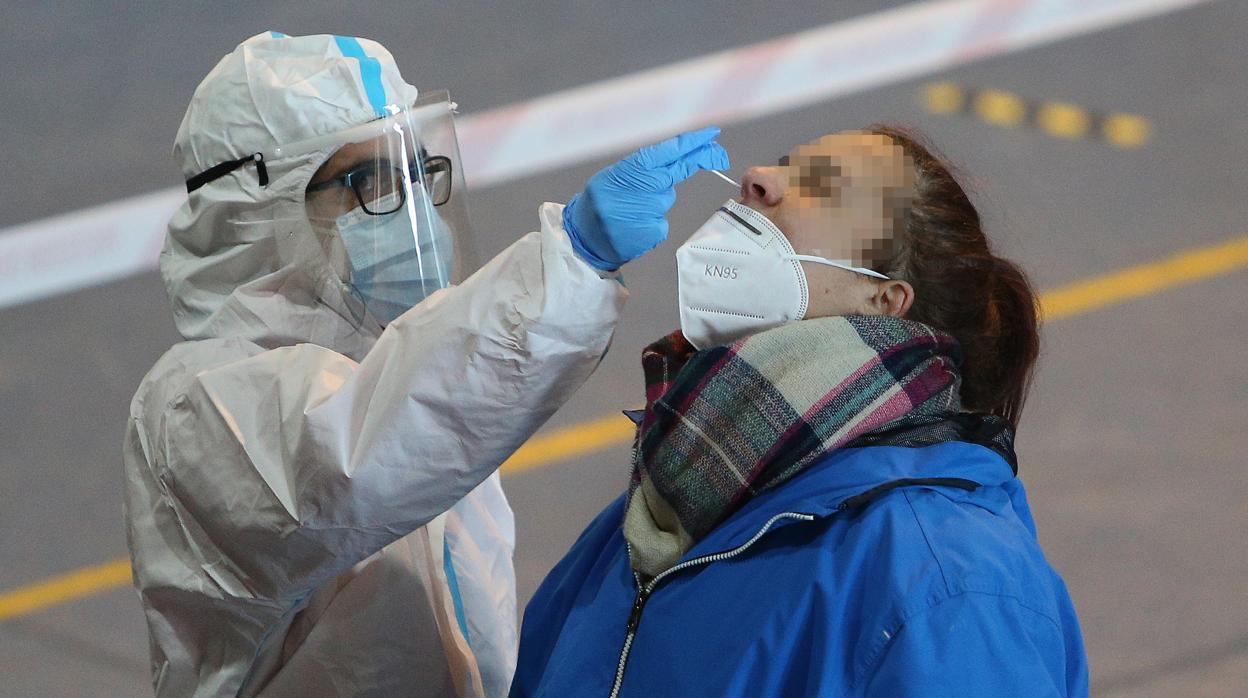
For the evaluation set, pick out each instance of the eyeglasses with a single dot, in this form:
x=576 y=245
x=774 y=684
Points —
x=374 y=183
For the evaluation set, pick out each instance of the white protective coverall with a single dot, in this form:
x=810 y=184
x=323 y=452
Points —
x=312 y=503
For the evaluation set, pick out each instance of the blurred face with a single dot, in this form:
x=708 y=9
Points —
x=842 y=197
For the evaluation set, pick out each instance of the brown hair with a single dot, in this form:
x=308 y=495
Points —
x=961 y=287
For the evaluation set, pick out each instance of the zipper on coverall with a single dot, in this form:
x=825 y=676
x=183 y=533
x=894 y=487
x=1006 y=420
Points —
x=645 y=590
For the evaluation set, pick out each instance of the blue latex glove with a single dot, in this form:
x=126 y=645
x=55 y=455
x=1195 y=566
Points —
x=621 y=214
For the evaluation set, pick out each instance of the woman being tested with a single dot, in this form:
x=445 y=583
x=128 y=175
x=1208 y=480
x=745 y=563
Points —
x=824 y=497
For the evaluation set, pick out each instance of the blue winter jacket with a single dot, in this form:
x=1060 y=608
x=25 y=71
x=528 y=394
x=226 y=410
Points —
x=879 y=571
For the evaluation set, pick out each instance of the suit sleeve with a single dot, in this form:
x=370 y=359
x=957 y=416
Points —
x=288 y=467
x=972 y=645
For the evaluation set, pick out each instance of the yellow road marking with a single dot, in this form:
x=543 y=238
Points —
x=1057 y=119
x=569 y=442
x=1001 y=108
x=1126 y=130
x=66 y=587
x=1062 y=120
x=598 y=434
x=1145 y=279
x=944 y=98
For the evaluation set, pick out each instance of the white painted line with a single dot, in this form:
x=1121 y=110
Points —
x=71 y=252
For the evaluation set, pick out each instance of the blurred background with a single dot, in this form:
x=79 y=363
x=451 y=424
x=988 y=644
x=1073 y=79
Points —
x=1103 y=141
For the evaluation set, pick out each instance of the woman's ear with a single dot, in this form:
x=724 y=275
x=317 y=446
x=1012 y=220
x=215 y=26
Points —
x=892 y=297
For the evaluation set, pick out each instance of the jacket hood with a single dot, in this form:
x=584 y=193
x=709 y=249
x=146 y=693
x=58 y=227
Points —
x=241 y=258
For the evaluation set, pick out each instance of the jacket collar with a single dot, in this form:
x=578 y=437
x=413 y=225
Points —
x=837 y=479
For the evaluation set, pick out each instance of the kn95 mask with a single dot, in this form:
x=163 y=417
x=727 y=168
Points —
x=738 y=274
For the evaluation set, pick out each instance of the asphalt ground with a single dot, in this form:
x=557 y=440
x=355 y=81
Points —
x=1130 y=447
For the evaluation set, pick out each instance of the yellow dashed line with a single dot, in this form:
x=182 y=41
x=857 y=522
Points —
x=1057 y=119
x=944 y=98
x=598 y=434
x=1062 y=120
x=1126 y=130
x=1001 y=108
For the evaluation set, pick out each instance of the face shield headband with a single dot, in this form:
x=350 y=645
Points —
x=218 y=171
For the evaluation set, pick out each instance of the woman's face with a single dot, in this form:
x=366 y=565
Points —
x=843 y=197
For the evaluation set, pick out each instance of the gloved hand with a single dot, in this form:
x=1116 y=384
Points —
x=621 y=214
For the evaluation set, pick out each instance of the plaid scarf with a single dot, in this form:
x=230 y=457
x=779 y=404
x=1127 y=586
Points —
x=724 y=424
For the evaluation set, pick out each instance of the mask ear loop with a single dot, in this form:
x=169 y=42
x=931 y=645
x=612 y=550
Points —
x=828 y=262
x=740 y=212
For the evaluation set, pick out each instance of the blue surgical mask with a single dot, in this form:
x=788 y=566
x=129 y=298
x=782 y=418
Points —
x=393 y=269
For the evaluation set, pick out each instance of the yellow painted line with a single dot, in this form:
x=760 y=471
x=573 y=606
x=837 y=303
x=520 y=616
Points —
x=1145 y=279
x=1062 y=120
x=1001 y=108
x=64 y=588
x=1126 y=130
x=570 y=442
x=598 y=434
x=944 y=98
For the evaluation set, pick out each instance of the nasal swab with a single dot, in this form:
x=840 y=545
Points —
x=724 y=177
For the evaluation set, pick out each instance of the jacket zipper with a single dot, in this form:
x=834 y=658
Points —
x=644 y=591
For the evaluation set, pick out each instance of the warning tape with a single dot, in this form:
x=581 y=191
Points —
x=77 y=250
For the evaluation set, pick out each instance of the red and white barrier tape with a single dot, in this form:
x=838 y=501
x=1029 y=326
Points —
x=88 y=247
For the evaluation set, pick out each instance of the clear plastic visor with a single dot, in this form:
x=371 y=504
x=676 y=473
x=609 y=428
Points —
x=389 y=206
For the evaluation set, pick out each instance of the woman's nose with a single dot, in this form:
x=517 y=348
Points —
x=763 y=186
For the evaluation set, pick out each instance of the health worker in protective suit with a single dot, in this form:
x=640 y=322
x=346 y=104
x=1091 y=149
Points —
x=312 y=500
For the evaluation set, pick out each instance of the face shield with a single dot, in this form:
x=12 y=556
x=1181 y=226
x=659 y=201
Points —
x=388 y=206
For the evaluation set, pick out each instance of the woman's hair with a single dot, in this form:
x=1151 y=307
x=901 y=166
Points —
x=961 y=287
